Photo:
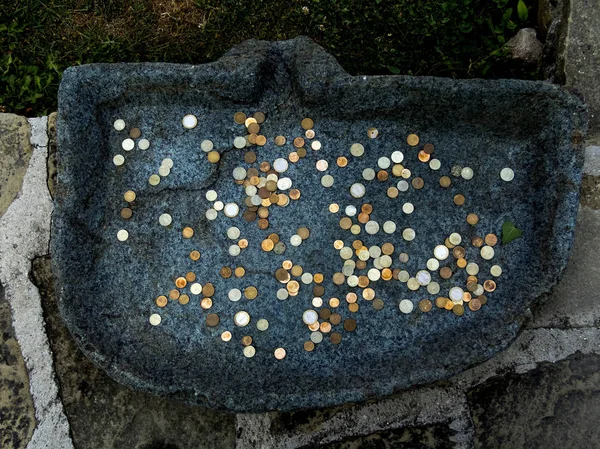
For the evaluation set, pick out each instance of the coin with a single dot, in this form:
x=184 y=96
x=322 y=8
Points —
x=425 y=305
x=239 y=118
x=307 y=123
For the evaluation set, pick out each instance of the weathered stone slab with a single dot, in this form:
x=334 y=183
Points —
x=15 y=151
x=107 y=288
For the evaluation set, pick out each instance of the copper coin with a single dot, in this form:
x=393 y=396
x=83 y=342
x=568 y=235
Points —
x=190 y=276
x=161 y=301
x=458 y=252
x=135 y=133
x=254 y=128
x=459 y=200
x=212 y=319
x=174 y=294
x=225 y=272
x=471 y=286
x=184 y=299
x=187 y=232
x=357 y=244
x=418 y=183
x=250 y=292
x=366 y=208
x=239 y=118
x=243 y=243
x=423 y=156
x=304 y=233
x=489 y=286
x=353 y=307
x=295 y=194
x=335 y=319
x=412 y=140
x=445 y=181
x=363 y=218
x=317 y=279
x=280 y=141
x=458 y=309
x=387 y=248
x=445 y=273
x=477 y=242
x=195 y=255
x=208 y=289
x=301 y=152
x=387 y=274
x=428 y=148
x=263 y=223
x=461 y=262
x=425 y=305
x=246 y=340
x=482 y=299
x=309 y=346
x=282 y=275
x=126 y=213
x=261 y=140
x=298 y=142
x=351 y=297
x=318 y=290
x=491 y=239
x=378 y=304
x=382 y=175
x=265 y=167
x=307 y=123
x=250 y=157
x=259 y=117
x=252 y=138
x=472 y=219
x=361 y=264
x=474 y=304
x=267 y=245
x=341 y=161
x=180 y=282
x=338 y=278
x=335 y=338
x=293 y=157
x=349 y=325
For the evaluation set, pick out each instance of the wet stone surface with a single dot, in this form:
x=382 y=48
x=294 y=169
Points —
x=174 y=346
x=553 y=406
x=17 y=415
x=106 y=415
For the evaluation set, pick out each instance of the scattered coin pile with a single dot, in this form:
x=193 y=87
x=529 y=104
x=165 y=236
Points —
x=269 y=187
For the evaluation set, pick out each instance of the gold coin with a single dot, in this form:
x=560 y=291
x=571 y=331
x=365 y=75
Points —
x=445 y=181
x=280 y=141
x=307 y=123
x=206 y=303
x=298 y=142
x=461 y=262
x=425 y=305
x=243 y=243
x=301 y=152
x=353 y=307
x=279 y=353
x=334 y=303
x=412 y=140
x=212 y=319
x=213 y=157
x=184 y=299
x=297 y=270
x=387 y=248
x=458 y=309
x=250 y=292
x=440 y=302
x=392 y=192
x=180 y=282
x=339 y=278
x=267 y=245
x=318 y=278
x=187 y=232
x=345 y=223
x=251 y=138
x=239 y=118
x=449 y=304
x=249 y=121
x=261 y=140
x=304 y=233
x=292 y=286
x=161 y=301
x=190 y=276
x=325 y=327
x=195 y=255
x=129 y=196
x=387 y=274
x=239 y=272
x=126 y=213
x=341 y=161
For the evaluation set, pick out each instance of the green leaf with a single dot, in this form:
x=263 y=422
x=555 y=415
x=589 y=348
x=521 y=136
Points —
x=522 y=10
x=394 y=70
x=510 y=232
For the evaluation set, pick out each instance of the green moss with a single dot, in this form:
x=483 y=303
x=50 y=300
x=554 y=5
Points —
x=452 y=38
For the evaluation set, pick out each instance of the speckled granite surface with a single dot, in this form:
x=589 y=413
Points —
x=107 y=288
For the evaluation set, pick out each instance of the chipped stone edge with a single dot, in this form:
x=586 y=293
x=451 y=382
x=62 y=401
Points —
x=25 y=234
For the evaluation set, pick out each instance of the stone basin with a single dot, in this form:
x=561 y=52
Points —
x=107 y=288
